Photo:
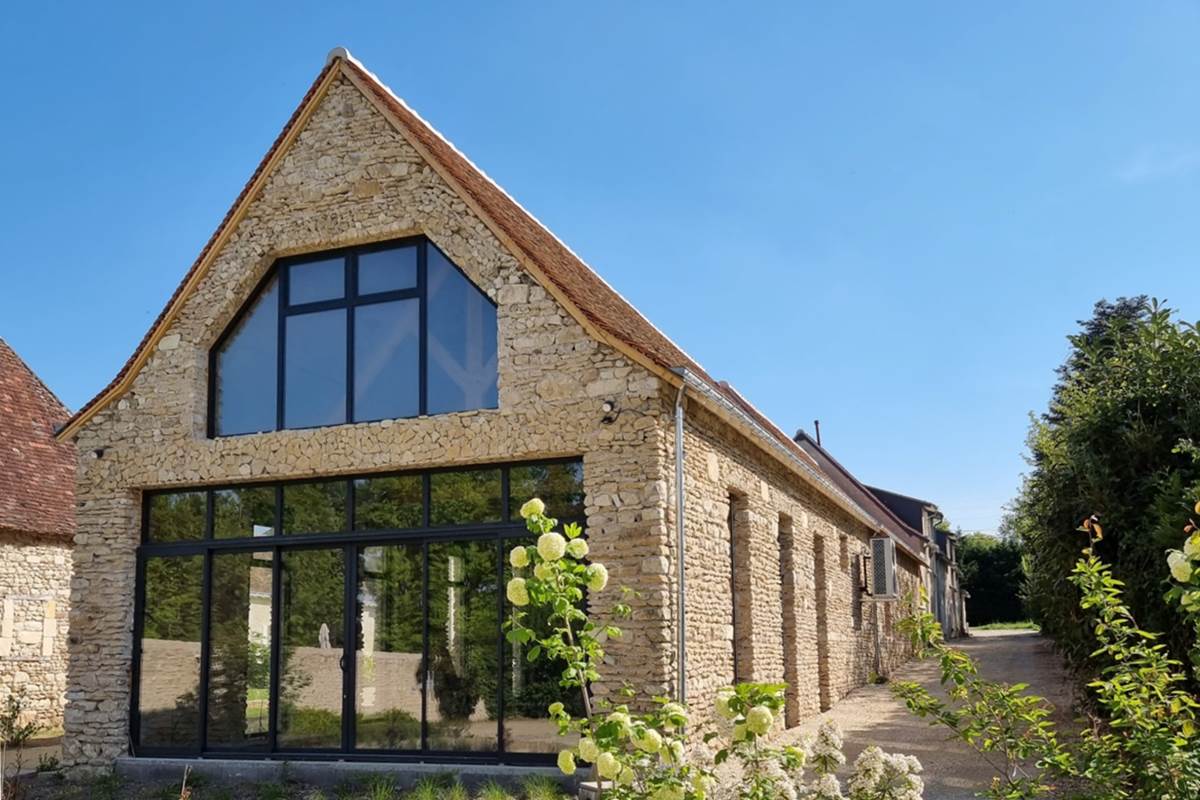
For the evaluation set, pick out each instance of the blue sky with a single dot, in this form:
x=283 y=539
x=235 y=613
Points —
x=886 y=216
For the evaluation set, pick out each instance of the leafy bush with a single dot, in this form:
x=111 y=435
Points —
x=1117 y=439
x=1142 y=742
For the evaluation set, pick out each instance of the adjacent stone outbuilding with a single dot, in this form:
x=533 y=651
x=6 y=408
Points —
x=266 y=527
x=37 y=520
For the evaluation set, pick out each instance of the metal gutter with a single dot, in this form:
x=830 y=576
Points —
x=681 y=599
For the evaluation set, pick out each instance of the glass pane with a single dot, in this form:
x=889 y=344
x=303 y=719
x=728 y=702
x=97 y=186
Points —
x=461 y=360
x=560 y=486
x=316 y=281
x=530 y=688
x=247 y=370
x=169 y=690
x=310 y=679
x=463 y=498
x=464 y=640
x=387 y=270
x=387 y=360
x=176 y=517
x=390 y=647
x=387 y=503
x=315 y=370
x=240 y=651
x=245 y=512
x=314 y=507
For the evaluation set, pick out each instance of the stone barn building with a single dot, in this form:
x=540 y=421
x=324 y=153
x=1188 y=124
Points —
x=37 y=520
x=295 y=498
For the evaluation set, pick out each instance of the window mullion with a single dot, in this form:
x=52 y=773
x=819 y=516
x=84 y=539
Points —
x=423 y=335
x=280 y=348
x=351 y=269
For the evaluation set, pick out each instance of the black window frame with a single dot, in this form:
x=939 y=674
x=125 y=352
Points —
x=510 y=527
x=350 y=300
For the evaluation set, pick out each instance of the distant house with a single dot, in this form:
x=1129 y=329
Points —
x=37 y=522
x=946 y=597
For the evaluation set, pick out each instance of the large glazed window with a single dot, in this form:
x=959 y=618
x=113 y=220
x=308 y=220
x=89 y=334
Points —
x=349 y=617
x=379 y=332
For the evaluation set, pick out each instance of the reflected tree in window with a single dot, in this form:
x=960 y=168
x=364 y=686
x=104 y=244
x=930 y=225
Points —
x=168 y=696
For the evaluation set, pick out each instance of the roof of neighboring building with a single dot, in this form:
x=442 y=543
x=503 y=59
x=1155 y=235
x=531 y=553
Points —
x=599 y=308
x=908 y=537
x=910 y=509
x=37 y=472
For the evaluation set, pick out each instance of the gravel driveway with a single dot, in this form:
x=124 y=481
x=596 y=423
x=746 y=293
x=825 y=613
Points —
x=871 y=715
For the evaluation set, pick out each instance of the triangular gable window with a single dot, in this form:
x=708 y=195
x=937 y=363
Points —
x=377 y=332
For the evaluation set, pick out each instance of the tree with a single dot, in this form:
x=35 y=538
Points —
x=990 y=570
x=1118 y=439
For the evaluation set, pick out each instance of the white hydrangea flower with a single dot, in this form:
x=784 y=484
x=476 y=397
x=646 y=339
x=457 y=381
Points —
x=621 y=719
x=648 y=739
x=517 y=592
x=722 y=702
x=759 y=720
x=1181 y=568
x=532 y=507
x=669 y=791
x=1191 y=548
x=597 y=577
x=566 y=762
x=626 y=777
x=551 y=546
x=608 y=766
x=827 y=788
x=588 y=750
x=543 y=571
x=577 y=548
x=519 y=557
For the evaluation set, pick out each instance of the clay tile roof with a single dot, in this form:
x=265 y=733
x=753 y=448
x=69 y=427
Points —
x=912 y=539
x=37 y=472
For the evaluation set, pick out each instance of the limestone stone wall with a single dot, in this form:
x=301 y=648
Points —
x=35 y=578
x=351 y=178
x=788 y=543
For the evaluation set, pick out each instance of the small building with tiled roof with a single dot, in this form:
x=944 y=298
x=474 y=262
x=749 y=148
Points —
x=947 y=600
x=295 y=497
x=37 y=523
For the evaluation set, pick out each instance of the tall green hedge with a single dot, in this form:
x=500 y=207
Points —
x=1118 y=440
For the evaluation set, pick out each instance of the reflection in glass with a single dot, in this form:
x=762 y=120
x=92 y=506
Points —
x=317 y=281
x=312 y=638
x=169 y=688
x=390 y=647
x=464 y=628
x=246 y=367
x=559 y=485
x=530 y=688
x=176 y=517
x=244 y=512
x=461 y=343
x=314 y=507
x=387 y=360
x=464 y=498
x=387 y=503
x=239 y=651
x=314 y=372
x=387 y=270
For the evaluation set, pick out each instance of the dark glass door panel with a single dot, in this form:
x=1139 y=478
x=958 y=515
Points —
x=239 y=706
x=389 y=652
x=312 y=638
x=464 y=628
x=169 y=686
